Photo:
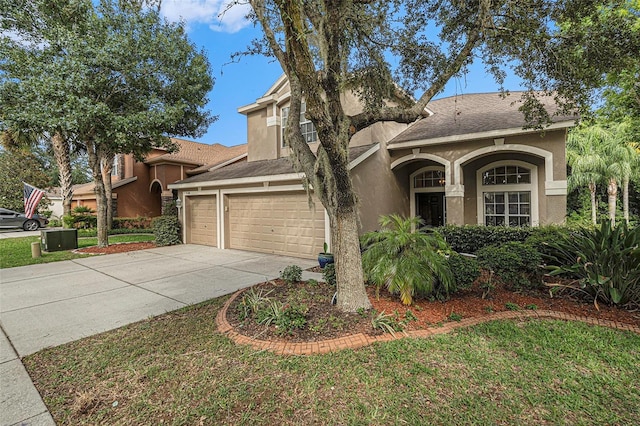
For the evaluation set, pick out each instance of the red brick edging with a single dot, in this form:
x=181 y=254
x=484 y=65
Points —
x=359 y=340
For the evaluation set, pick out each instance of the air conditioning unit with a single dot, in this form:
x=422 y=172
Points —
x=59 y=239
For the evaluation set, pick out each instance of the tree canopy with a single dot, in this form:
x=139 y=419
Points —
x=113 y=77
x=17 y=166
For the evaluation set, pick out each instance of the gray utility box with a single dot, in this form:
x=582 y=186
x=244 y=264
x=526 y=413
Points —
x=59 y=239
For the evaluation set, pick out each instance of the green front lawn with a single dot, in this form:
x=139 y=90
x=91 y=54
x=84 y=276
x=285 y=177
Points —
x=17 y=251
x=177 y=369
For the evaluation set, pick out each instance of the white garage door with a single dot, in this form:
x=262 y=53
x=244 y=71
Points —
x=201 y=220
x=276 y=223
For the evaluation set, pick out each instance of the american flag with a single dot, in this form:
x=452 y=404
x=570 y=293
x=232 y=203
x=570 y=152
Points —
x=32 y=196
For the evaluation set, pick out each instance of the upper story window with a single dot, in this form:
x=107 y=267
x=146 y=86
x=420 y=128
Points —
x=429 y=179
x=115 y=168
x=306 y=126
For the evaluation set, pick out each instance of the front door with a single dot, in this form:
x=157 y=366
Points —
x=430 y=207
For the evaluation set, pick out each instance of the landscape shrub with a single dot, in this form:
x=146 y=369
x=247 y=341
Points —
x=605 y=261
x=286 y=318
x=514 y=263
x=542 y=235
x=329 y=273
x=291 y=274
x=167 y=230
x=55 y=223
x=465 y=270
x=92 y=232
x=471 y=238
x=139 y=222
x=80 y=210
x=407 y=260
x=80 y=221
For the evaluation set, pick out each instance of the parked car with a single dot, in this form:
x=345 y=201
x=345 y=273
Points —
x=11 y=219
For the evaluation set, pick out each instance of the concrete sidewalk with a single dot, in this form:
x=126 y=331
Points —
x=51 y=304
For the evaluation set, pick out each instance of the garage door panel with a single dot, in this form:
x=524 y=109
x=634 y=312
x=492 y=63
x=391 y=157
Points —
x=202 y=220
x=276 y=223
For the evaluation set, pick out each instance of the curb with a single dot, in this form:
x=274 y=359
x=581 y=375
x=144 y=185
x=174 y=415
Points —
x=359 y=340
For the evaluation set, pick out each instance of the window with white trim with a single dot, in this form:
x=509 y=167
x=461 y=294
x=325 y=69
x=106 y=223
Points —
x=505 y=175
x=115 y=167
x=429 y=179
x=507 y=208
x=507 y=194
x=307 y=128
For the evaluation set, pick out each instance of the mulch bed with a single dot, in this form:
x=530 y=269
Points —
x=118 y=248
x=325 y=321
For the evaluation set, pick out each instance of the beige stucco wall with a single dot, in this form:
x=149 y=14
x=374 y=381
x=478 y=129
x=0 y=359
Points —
x=380 y=191
x=264 y=130
x=552 y=208
x=262 y=143
x=556 y=209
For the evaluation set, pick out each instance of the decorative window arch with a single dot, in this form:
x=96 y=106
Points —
x=507 y=194
x=159 y=184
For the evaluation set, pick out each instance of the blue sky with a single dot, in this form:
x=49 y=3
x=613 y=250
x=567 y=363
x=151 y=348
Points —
x=238 y=84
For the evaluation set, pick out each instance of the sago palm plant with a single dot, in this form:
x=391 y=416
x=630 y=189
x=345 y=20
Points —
x=406 y=260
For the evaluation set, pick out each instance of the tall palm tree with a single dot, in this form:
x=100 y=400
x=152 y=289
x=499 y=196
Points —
x=13 y=138
x=623 y=161
x=585 y=156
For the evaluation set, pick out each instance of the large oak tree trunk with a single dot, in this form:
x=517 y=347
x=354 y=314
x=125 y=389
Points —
x=348 y=262
x=63 y=160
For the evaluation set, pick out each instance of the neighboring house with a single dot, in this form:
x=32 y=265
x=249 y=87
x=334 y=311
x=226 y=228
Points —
x=469 y=161
x=141 y=188
x=56 y=207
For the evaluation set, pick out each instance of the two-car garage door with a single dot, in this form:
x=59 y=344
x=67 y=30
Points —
x=280 y=223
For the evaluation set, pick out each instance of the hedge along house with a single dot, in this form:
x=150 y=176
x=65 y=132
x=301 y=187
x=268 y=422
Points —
x=468 y=161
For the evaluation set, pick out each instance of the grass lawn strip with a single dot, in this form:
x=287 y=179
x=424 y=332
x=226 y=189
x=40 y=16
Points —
x=17 y=251
x=178 y=369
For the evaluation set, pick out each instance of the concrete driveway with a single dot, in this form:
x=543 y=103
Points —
x=51 y=304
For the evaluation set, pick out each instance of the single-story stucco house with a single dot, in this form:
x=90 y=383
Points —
x=469 y=161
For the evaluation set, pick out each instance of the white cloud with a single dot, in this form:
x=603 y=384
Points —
x=211 y=12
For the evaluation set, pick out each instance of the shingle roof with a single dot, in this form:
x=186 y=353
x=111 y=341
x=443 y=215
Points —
x=474 y=113
x=199 y=153
x=274 y=167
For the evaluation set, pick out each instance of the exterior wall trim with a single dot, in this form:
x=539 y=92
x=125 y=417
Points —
x=555 y=187
x=490 y=134
x=159 y=183
x=527 y=149
x=425 y=156
x=237 y=181
x=368 y=153
x=261 y=179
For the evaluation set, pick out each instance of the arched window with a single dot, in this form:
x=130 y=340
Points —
x=429 y=179
x=507 y=194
